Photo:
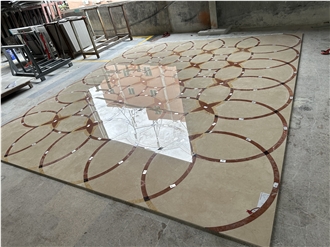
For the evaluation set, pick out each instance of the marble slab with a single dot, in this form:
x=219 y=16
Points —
x=11 y=84
x=193 y=130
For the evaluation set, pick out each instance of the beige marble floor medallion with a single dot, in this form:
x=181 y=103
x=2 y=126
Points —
x=195 y=130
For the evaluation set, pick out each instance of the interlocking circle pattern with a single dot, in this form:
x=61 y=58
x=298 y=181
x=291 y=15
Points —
x=235 y=96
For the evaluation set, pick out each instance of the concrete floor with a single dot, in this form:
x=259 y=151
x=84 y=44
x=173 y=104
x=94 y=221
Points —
x=38 y=211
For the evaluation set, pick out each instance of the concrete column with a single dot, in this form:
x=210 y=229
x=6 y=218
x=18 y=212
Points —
x=213 y=14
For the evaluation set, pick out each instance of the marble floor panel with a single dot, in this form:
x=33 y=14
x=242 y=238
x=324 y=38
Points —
x=195 y=130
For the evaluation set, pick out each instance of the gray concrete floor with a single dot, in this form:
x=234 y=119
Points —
x=38 y=211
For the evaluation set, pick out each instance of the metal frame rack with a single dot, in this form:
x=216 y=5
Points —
x=37 y=39
x=15 y=14
x=84 y=51
x=62 y=40
x=26 y=64
x=120 y=35
x=102 y=42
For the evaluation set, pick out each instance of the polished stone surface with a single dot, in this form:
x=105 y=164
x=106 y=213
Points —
x=233 y=96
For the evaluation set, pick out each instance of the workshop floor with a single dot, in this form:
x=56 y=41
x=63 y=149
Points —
x=39 y=211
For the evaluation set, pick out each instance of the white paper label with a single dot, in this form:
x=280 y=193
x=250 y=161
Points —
x=262 y=199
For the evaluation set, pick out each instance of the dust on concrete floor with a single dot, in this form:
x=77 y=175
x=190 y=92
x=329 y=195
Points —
x=40 y=211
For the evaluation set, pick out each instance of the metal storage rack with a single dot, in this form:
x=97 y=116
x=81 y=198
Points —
x=27 y=65
x=120 y=35
x=104 y=41
x=37 y=39
x=37 y=54
x=64 y=39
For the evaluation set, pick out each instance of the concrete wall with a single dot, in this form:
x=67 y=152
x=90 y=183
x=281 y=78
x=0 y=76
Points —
x=153 y=17
x=147 y=18
x=271 y=14
x=188 y=16
x=157 y=17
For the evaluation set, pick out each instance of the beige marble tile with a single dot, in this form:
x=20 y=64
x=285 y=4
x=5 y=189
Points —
x=194 y=130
